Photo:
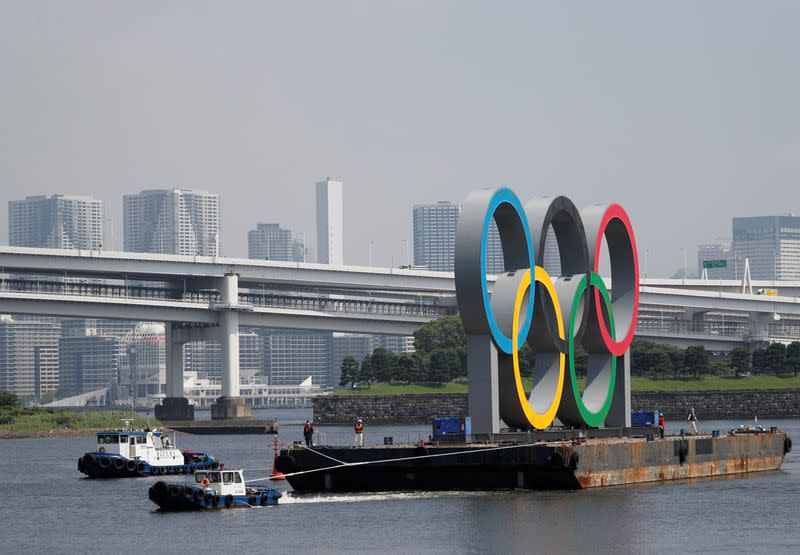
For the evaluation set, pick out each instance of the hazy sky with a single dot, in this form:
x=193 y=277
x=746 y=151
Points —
x=686 y=113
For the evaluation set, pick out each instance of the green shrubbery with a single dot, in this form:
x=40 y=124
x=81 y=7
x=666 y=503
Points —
x=22 y=419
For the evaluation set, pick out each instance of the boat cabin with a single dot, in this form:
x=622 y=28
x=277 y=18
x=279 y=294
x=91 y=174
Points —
x=150 y=446
x=224 y=482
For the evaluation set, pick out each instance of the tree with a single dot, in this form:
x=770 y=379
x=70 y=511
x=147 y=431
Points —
x=365 y=373
x=410 y=368
x=441 y=365
x=676 y=356
x=581 y=360
x=349 y=371
x=775 y=358
x=740 y=361
x=8 y=399
x=442 y=333
x=793 y=357
x=696 y=361
x=759 y=360
x=662 y=366
x=384 y=364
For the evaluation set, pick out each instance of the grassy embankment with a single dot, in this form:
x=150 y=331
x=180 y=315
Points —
x=24 y=421
x=638 y=384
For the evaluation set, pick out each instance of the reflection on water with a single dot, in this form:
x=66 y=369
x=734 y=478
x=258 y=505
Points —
x=48 y=505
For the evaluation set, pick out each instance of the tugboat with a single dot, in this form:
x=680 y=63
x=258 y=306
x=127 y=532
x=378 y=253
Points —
x=131 y=453
x=215 y=489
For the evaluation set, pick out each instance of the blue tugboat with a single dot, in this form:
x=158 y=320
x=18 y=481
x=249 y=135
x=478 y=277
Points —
x=131 y=453
x=214 y=489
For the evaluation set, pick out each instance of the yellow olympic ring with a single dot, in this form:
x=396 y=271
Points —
x=542 y=420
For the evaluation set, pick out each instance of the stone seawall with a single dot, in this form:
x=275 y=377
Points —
x=419 y=409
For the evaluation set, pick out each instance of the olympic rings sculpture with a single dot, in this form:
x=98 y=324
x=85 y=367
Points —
x=552 y=315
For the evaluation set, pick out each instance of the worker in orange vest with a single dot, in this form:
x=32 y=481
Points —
x=359 y=429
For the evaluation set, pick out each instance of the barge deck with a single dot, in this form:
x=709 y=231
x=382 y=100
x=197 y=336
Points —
x=575 y=463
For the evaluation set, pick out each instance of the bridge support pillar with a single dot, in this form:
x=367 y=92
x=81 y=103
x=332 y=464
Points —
x=230 y=404
x=174 y=406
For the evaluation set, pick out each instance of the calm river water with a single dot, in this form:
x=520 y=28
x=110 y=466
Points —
x=47 y=506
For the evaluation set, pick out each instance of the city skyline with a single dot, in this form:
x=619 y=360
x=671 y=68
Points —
x=504 y=103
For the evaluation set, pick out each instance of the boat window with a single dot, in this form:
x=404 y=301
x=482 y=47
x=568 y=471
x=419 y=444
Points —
x=99 y=438
x=213 y=477
x=141 y=439
x=200 y=476
x=109 y=439
x=227 y=477
x=238 y=478
x=123 y=439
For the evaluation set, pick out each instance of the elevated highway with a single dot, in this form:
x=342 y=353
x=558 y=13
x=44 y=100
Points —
x=202 y=298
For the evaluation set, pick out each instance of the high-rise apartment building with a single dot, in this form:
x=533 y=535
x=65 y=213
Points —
x=26 y=354
x=435 y=228
x=435 y=235
x=291 y=356
x=172 y=221
x=87 y=362
x=272 y=242
x=57 y=222
x=718 y=251
x=771 y=243
x=330 y=222
x=205 y=357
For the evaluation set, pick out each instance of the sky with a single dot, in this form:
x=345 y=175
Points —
x=686 y=113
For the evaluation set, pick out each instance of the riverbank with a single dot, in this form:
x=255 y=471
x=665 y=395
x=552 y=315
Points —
x=420 y=408
x=18 y=422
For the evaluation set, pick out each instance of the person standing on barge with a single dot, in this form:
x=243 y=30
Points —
x=359 y=430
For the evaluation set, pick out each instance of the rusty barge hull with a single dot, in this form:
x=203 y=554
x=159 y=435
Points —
x=568 y=464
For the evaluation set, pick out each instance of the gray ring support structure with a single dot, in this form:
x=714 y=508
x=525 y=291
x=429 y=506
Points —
x=599 y=363
x=573 y=251
x=623 y=261
x=547 y=368
x=469 y=264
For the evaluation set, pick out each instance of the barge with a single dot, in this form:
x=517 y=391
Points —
x=516 y=463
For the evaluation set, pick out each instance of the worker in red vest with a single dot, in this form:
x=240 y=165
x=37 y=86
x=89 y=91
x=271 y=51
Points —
x=308 y=433
x=661 y=423
x=359 y=429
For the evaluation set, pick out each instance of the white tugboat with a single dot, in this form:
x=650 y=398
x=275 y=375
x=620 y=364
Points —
x=213 y=489
x=127 y=453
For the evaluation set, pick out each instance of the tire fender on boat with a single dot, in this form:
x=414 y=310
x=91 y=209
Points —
x=228 y=500
x=787 y=445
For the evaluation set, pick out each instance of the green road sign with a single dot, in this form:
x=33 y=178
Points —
x=715 y=264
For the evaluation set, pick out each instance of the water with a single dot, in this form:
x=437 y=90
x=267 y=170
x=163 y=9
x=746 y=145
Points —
x=48 y=506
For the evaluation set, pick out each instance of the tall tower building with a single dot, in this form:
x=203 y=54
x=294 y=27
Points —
x=435 y=235
x=172 y=221
x=271 y=242
x=57 y=222
x=771 y=243
x=330 y=220
x=435 y=238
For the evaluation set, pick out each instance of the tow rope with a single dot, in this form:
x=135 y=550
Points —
x=343 y=464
